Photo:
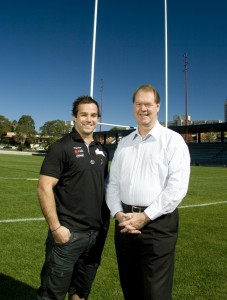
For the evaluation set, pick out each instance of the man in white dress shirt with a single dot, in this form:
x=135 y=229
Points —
x=149 y=177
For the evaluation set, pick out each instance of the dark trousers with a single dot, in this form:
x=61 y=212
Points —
x=69 y=267
x=146 y=261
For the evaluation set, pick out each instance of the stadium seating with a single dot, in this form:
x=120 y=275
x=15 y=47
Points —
x=201 y=153
x=208 y=153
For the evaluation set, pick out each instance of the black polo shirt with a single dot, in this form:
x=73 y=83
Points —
x=81 y=171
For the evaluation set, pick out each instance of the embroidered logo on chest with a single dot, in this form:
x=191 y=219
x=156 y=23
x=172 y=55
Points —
x=99 y=152
x=78 y=151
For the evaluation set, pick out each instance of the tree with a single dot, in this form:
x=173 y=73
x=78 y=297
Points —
x=25 y=130
x=208 y=136
x=55 y=128
x=14 y=125
x=5 y=125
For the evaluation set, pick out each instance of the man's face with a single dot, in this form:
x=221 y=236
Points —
x=145 y=109
x=86 y=119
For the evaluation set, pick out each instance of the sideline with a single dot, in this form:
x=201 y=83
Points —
x=42 y=219
x=15 y=178
x=205 y=204
x=16 y=152
x=22 y=220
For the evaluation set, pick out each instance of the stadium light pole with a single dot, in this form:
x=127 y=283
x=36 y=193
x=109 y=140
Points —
x=186 y=94
x=166 y=65
x=93 y=49
x=102 y=89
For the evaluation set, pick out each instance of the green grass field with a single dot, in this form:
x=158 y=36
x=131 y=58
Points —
x=201 y=254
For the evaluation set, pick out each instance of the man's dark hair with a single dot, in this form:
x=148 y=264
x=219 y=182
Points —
x=83 y=100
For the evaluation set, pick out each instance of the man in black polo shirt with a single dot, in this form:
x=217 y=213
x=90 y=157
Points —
x=71 y=193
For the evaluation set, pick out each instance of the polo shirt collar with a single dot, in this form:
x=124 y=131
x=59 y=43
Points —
x=76 y=137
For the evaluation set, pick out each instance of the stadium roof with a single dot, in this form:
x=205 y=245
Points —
x=214 y=127
x=201 y=128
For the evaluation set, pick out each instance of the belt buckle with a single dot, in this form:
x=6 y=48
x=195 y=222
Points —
x=136 y=209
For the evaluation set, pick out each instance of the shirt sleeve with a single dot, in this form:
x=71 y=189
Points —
x=54 y=161
x=177 y=180
x=113 y=191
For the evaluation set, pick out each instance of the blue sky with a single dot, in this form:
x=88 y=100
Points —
x=46 y=50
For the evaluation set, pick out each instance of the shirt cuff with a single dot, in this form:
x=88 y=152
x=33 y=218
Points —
x=152 y=212
x=115 y=209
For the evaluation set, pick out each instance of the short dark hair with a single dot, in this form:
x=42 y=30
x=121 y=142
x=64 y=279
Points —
x=83 y=100
x=147 y=88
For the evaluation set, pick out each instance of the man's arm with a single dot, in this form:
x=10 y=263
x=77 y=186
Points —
x=47 y=203
x=177 y=180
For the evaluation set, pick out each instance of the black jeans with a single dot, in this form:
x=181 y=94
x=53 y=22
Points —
x=68 y=267
x=146 y=261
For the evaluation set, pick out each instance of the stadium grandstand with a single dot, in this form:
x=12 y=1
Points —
x=207 y=143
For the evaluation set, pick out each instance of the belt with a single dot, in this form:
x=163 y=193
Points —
x=132 y=208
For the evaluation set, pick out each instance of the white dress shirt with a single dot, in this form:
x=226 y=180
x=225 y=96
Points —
x=152 y=172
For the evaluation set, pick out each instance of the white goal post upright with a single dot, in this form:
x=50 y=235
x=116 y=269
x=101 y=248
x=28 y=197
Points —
x=166 y=65
x=93 y=49
x=166 y=57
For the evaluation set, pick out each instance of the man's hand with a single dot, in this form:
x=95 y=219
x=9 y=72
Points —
x=61 y=235
x=133 y=222
x=120 y=216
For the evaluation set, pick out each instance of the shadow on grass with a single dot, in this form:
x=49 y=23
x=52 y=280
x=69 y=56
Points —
x=11 y=288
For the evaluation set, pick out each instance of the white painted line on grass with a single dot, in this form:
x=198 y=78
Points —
x=42 y=219
x=17 y=178
x=204 y=204
x=21 y=220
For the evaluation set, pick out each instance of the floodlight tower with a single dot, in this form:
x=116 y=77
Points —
x=186 y=94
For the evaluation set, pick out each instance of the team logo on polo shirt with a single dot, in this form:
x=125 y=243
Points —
x=78 y=151
x=99 y=152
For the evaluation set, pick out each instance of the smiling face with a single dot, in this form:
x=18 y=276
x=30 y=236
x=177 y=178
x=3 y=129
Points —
x=145 y=110
x=86 y=119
